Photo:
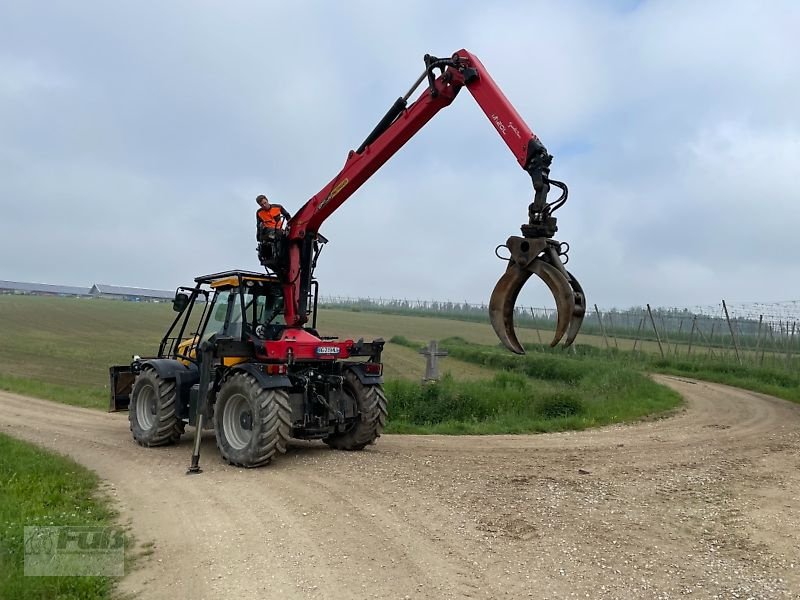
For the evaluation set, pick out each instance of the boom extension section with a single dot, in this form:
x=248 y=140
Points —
x=535 y=253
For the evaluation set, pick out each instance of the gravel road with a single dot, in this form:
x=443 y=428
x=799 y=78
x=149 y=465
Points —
x=705 y=504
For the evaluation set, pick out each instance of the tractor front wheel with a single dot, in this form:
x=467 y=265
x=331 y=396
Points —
x=252 y=424
x=372 y=408
x=152 y=410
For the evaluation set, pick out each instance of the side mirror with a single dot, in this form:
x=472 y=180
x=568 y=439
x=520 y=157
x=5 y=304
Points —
x=180 y=302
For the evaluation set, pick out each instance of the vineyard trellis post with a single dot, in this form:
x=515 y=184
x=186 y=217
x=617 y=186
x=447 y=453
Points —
x=772 y=339
x=658 y=338
x=664 y=332
x=611 y=328
x=680 y=329
x=638 y=332
x=602 y=329
x=711 y=341
x=733 y=335
x=758 y=338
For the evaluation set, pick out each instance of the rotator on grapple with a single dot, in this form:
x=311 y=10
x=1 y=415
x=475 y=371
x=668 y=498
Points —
x=243 y=355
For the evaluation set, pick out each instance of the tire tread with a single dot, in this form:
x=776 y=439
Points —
x=373 y=409
x=275 y=415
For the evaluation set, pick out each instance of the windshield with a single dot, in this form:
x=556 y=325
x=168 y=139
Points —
x=263 y=305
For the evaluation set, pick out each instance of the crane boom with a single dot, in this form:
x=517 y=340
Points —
x=400 y=124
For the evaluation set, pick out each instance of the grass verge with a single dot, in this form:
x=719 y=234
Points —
x=537 y=392
x=38 y=488
x=767 y=380
x=85 y=396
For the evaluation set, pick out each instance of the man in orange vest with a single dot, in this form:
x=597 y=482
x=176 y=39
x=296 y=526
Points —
x=270 y=216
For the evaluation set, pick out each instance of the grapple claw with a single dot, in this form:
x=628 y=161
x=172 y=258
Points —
x=562 y=292
x=578 y=312
x=536 y=256
x=502 y=302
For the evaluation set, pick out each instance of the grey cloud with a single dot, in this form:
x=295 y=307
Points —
x=128 y=130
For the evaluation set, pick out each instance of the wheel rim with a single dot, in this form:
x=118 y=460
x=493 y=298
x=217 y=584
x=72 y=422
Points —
x=237 y=422
x=146 y=407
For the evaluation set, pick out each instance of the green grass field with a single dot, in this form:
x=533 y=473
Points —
x=61 y=348
x=38 y=488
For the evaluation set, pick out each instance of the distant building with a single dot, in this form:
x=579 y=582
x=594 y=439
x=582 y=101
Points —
x=41 y=289
x=118 y=292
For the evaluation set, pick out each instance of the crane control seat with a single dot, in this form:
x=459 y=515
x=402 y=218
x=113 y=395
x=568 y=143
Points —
x=271 y=246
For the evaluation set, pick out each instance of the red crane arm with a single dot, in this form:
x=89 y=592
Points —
x=463 y=69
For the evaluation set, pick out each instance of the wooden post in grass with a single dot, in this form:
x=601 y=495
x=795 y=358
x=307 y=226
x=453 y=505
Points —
x=611 y=326
x=691 y=335
x=602 y=329
x=658 y=338
x=664 y=332
x=711 y=340
x=432 y=354
x=733 y=335
x=779 y=341
x=638 y=333
x=680 y=328
x=758 y=336
x=772 y=338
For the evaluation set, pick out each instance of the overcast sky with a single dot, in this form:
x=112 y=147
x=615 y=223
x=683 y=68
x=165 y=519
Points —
x=134 y=137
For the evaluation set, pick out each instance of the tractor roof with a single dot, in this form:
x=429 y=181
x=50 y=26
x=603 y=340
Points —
x=235 y=277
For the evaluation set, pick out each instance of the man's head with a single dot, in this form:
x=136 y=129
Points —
x=262 y=201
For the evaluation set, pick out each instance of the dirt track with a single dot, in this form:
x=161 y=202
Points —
x=705 y=503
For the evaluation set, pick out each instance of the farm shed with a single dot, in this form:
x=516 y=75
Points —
x=118 y=292
x=41 y=289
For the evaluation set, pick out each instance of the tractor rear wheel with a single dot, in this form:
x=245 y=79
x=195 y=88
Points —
x=372 y=409
x=151 y=412
x=252 y=424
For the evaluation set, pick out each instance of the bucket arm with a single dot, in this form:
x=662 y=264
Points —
x=398 y=126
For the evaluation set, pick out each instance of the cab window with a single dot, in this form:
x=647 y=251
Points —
x=225 y=302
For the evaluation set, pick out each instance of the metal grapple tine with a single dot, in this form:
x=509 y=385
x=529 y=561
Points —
x=562 y=292
x=578 y=313
x=502 y=302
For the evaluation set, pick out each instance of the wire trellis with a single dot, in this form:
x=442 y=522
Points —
x=761 y=332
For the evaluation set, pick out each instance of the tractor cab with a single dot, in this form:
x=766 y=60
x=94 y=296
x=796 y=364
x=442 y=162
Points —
x=241 y=307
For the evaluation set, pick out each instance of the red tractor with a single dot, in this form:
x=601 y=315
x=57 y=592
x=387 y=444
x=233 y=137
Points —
x=243 y=352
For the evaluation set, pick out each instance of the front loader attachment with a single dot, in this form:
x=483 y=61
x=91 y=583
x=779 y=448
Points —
x=541 y=257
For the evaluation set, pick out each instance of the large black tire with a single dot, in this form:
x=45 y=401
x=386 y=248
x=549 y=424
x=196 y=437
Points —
x=372 y=412
x=152 y=410
x=252 y=424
